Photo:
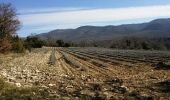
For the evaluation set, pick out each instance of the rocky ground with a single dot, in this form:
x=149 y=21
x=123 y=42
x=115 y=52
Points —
x=34 y=76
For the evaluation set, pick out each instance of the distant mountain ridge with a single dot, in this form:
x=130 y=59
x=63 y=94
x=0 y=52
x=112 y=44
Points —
x=156 y=28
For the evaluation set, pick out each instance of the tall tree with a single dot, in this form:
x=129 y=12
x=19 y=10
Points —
x=9 y=24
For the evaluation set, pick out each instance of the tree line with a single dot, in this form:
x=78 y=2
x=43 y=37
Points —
x=141 y=43
x=135 y=43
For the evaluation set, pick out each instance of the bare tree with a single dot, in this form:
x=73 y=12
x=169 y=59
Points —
x=9 y=24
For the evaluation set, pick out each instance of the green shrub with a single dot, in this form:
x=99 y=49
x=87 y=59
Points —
x=60 y=43
x=18 y=45
x=33 y=42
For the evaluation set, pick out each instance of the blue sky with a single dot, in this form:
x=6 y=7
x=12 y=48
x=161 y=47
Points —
x=38 y=16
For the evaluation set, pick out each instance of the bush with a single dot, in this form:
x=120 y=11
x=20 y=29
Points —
x=146 y=46
x=18 y=45
x=60 y=43
x=67 y=45
x=33 y=42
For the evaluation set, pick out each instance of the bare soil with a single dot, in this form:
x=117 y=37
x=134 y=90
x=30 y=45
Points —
x=73 y=78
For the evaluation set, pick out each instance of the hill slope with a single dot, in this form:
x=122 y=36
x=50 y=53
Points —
x=155 y=28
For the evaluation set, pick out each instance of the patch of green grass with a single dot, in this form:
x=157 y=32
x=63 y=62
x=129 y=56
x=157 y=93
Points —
x=5 y=89
x=8 y=91
x=11 y=92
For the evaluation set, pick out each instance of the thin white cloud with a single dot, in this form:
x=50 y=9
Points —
x=51 y=17
x=95 y=15
x=47 y=10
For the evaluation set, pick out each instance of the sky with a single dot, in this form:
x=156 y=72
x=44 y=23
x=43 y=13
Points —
x=40 y=16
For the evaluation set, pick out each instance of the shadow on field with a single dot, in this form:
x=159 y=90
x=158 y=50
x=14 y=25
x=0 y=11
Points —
x=162 y=66
x=163 y=86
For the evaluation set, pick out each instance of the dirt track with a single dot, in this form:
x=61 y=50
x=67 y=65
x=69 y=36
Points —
x=76 y=78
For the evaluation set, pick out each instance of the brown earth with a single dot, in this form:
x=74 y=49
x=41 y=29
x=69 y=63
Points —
x=74 y=78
